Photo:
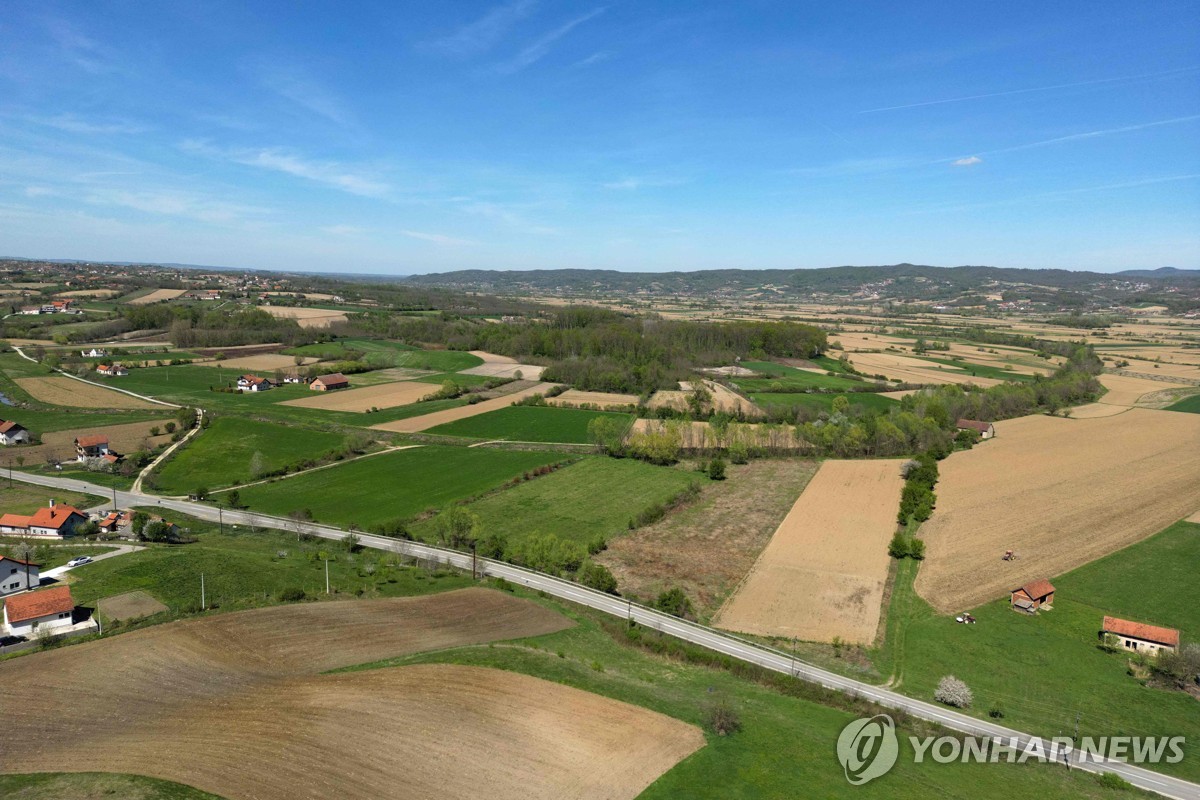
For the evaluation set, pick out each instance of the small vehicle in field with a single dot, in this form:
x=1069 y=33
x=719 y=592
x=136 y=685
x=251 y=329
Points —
x=79 y=561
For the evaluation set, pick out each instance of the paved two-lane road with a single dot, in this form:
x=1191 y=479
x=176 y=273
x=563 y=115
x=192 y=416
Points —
x=718 y=641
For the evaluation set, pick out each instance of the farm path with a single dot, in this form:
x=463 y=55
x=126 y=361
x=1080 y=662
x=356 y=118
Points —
x=196 y=428
x=700 y=635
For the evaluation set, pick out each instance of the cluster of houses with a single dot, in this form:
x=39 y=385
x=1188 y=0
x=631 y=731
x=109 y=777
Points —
x=56 y=521
x=54 y=307
x=111 y=370
x=322 y=383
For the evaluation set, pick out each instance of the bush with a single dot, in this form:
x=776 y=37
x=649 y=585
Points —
x=953 y=692
x=675 y=603
x=597 y=576
x=722 y=718
x=716 y=469
x=1111 y=780
x=292 y=595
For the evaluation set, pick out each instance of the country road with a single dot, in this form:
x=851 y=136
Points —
x=709 y=638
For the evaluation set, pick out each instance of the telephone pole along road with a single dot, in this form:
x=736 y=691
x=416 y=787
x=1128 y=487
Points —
x=694 y=633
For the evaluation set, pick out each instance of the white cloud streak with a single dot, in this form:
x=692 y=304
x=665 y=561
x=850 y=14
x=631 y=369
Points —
x=329 y=173
x=969 y=161
x=1075 y=137
x=72 y=124
x=542 y=47
x=436 y=238
x=483 y=34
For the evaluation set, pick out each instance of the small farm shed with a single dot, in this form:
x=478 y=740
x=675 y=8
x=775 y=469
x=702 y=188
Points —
x=1032 y=596
x=327 y=383
x=25 y=614
x=986 y=430
x=1141 y=637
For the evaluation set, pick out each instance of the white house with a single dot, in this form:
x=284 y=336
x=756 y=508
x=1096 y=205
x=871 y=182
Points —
x=91 y=447
x=253 y=383
x=93 y=353
x=12 y=433
x=1141 y=637
x=17 y=575
x=111 y=370
x=33 y=612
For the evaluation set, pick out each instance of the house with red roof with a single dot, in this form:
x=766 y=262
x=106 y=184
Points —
x=17 y=575
x=94 y=446
x=1140 y=637
x=53 y=522
x=1033 y=596
x=12 y=433
x=327 y=383
x=111 y=370
x=253 y=383
x=34 y=612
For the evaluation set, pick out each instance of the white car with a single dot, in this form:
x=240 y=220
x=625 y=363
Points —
x=80 y=561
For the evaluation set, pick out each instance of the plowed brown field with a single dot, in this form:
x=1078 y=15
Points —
x=236 y=705
x=822 y=574
x=427 y=421
x=384 y=395
x=1060 y=492
x=71 y=393
x=60 y=445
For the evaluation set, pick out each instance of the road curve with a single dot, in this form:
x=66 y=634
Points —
x=718 y=641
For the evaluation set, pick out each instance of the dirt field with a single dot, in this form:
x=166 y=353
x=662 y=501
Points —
x=1194 y=518
x=823 y=573
x=70 y=393
x=669 y=398
x=384 y=395
x=427 y=421
x=1060 y=492
x=131 y=605
x=708 y=546
x=913 y=370
x=241 y=705
x=103 y=293
x=575 y=397
x=506 y=370
x=306 y=317
x=724 y=399
x=61 y=444
x=158 y=295
x=492 y=358
x=266 y=363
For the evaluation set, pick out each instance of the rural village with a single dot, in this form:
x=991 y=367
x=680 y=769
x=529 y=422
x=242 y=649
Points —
x=930 y=487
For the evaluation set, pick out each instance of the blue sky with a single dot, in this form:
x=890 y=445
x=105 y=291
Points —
x=418 y=137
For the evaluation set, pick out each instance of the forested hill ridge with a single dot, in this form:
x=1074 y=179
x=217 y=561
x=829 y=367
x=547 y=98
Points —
x=897 y=282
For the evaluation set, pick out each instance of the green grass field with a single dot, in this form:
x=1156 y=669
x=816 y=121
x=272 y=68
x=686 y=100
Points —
x=47 y=420
x=1189 y=404
x=529 y=424
x=595 y=497
x=785 y=748
x=90 y=785
x=392 y=354
x=394 y=486
x=823 y=401
x=222 y=454
x=779 y=376
x=979 y=370
x=244 y=569
x=22 y=498
x=1046 y=671
x=51 y=554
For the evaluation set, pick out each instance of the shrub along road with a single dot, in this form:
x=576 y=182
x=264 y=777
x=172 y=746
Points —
x=690 y=632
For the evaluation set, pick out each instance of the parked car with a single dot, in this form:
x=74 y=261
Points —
x=80 y=561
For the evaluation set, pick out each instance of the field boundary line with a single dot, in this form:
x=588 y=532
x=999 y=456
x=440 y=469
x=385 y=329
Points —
x=196 y=428
x=21 y=353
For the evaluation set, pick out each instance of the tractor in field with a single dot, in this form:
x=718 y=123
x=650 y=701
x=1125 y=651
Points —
x=1009 y=555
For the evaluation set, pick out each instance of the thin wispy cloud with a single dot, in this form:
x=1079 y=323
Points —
x=436 y=238
x=1075 y=137
x=542 y=47
x=85 y=52
x=175 y=204
x=969 y=161
x=299 y=88
x=595 y=58
x=329 y=173
x=1035 y=89
x=343 y=230
x=485 y=32
x=635 y=183
x=1056 y=194
x=72 y=124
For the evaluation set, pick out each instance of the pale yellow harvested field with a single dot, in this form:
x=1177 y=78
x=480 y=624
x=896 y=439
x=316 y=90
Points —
x=60 y=391
x=306 y=317
x=900 y=394
x=506 y=370
x=60 y=445
x=575 y=397
x=1060 y=492
x=853 y=342
x=913 y=370
x=384 y=395
x=823 y=572
x=669 y=398
x=242 y=707
x=89 y=293
x=724 y=399
x=158 y=295
x=492 y=358
x=427 y=421
x=1190 y=371
x=1194 y=517
x=1125 y=391
x=267 y=362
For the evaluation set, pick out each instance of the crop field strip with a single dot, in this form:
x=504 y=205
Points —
x=242 y=703
x=1061 y=493
x=427 y=421
x=383 y=395
x=529 y=424
x=822 y=574
x=68 y=392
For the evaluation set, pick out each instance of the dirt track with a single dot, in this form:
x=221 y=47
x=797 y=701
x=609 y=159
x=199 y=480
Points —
x=238 y=707
x=1061 y=492
x=822 y=574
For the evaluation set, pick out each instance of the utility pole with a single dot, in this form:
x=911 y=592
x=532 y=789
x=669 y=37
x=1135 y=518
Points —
x=221 y=519
x=474 y=575
x=114 y=498
x=327 y=576
x=203 y=602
